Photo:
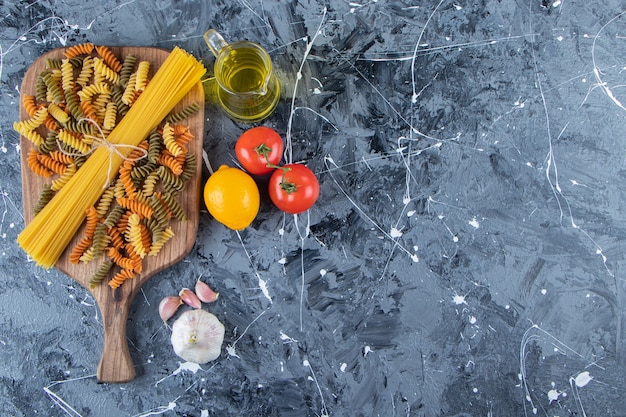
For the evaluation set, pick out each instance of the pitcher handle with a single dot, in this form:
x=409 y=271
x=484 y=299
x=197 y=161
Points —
x=215 y=41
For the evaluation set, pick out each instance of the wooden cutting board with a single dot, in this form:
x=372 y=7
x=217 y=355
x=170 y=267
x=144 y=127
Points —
x=116 y=364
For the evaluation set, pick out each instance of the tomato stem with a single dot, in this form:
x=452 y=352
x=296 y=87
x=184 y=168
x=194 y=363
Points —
x=263 y=151
x=287 y=186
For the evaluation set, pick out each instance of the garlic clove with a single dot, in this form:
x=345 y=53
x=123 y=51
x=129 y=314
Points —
x=197 y=336
x=190 y=298
x=205 y=293
x=168 y=307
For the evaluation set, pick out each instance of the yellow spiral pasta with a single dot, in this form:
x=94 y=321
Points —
x=69 y=171
x=143 y=69
x=102 y=69
x=167 y=234
x=32 y=123
x=86 y=72
x=74 y=141
x=58 y=113
x=67 y=75
x=168 y=140
x=110 y=116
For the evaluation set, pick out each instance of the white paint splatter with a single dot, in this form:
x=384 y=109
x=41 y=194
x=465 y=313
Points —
x=583 y=379
x=458 y=299
x=474 y=223
x=343 y=367
x=472 y=319
x=367 y=350
x=285 y=337
x=553 y=395
x=323 y=272
x=395 y=232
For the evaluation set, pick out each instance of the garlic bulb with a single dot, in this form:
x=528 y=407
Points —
x=197 y=336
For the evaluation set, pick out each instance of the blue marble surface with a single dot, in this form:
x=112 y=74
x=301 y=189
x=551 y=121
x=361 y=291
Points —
x=466 y=254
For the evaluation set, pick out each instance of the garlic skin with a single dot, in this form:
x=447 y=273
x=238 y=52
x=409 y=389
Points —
x=197 y=336
x=168 y=307
x=205 y=293
x=190 y=298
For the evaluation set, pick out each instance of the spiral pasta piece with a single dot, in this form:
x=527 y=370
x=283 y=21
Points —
x=100 y=274
x=51 y=164
x=143 y=69
x=183 y=114
x=168 y=140
x=30 y=104
x=80 y=49
x=86 y=72
x=119 y=259
x=140 y=209
x=172 y=163
x=74 y=141
x=129 y=96
x=167 y=234
x=67 y=75
x=110 y=116
x=120 y=277
x=101 y=68
x=69 y=171
x=58 y=113
x=54 y=92
x=34 y=122
x=45 y=196
x=134 y=235
x=79 y=250
x=31 y=135
x=109 y=58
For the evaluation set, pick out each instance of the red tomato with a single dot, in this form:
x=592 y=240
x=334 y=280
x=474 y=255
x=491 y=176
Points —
x=293 y=188
x=259 y=150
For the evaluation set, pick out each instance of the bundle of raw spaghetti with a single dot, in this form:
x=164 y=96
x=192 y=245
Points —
x=48 y=234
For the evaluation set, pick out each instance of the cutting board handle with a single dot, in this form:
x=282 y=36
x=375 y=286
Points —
x=116 y=364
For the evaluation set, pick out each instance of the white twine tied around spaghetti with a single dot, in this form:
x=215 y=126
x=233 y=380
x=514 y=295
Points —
x=101 y=141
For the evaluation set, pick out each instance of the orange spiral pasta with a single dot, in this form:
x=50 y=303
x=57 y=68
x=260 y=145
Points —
x=80 y=49
x=109 y=58
x=117 y=240
x=91 y=221
x=119 y=259
x=172 y=163
x=51 y=164
x=32 y=160
x=61 y=157
x=120 y=277
x=79 y=250
x=127 y=181
x=89 y=110
x=136 y=207
x=30 y=104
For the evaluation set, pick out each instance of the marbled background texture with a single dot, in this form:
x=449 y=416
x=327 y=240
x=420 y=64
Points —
x=466 y=254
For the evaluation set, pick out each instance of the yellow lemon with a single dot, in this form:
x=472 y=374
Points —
x=232 y=197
